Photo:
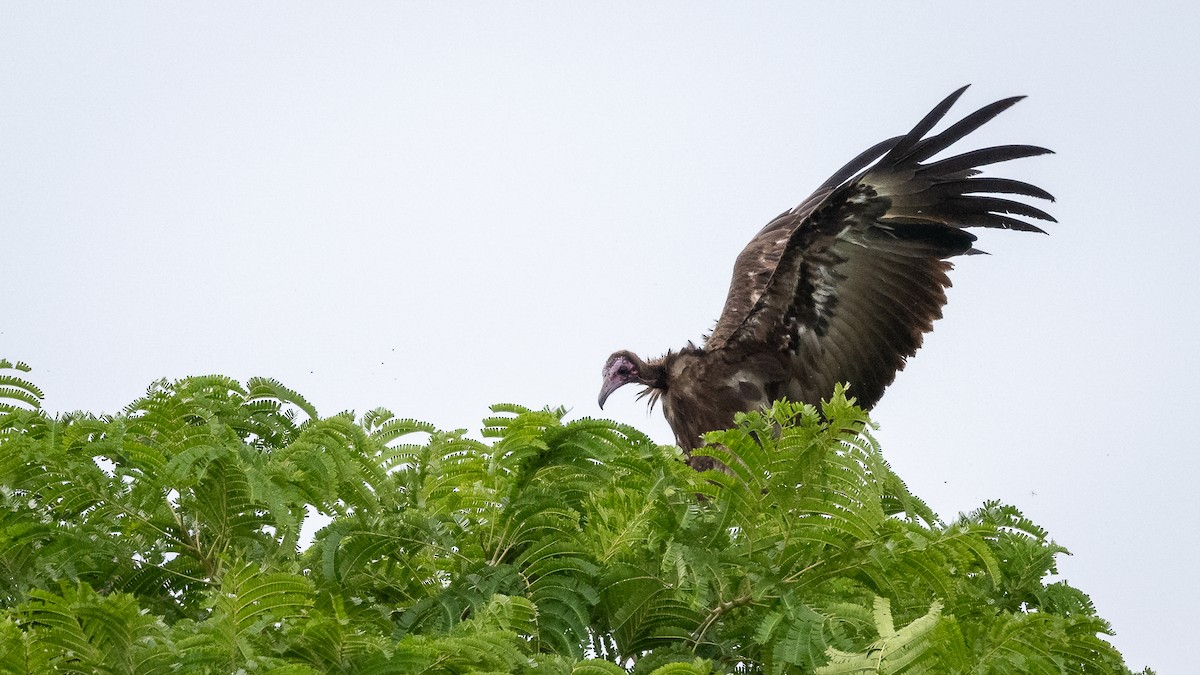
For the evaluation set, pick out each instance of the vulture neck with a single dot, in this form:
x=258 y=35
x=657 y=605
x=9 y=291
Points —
x=652 y=375
x=655 y=375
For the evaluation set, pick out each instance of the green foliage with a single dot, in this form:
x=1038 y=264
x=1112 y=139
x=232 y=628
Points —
x=167 y=538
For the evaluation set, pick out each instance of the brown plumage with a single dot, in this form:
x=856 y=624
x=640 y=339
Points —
x=843 y=287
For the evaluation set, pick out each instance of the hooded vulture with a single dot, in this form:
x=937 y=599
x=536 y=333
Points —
x=843 y=287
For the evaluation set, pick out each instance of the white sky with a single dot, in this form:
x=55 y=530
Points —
x=433 y=207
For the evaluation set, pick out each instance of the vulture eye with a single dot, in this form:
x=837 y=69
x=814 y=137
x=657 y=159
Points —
x=623 y=371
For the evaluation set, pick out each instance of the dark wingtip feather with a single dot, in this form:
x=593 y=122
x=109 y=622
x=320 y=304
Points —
x=927 y=122
x=957 y=131
x=998 y=205
x=982 y=157
x=1007 y=223
x=990 y=184
x=858 y=163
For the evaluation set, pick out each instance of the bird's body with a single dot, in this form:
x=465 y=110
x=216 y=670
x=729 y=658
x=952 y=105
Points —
x=841 y=288
x=705 y=385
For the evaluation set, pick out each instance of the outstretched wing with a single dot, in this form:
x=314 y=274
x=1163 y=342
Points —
x=848 y=282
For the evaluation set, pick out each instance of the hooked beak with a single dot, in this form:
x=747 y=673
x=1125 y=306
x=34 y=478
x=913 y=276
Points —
x=611 y=384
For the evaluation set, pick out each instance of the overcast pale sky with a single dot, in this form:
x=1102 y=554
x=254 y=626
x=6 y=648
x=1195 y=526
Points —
x=434 y=207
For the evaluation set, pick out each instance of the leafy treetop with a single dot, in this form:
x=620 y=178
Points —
x=166 y=539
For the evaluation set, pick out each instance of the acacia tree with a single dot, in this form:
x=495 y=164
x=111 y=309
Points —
x=166 y=538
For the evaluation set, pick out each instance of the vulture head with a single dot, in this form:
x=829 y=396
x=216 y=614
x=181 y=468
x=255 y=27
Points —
x=624 y=367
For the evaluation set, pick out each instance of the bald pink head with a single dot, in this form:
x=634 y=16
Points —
x=620 y=369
